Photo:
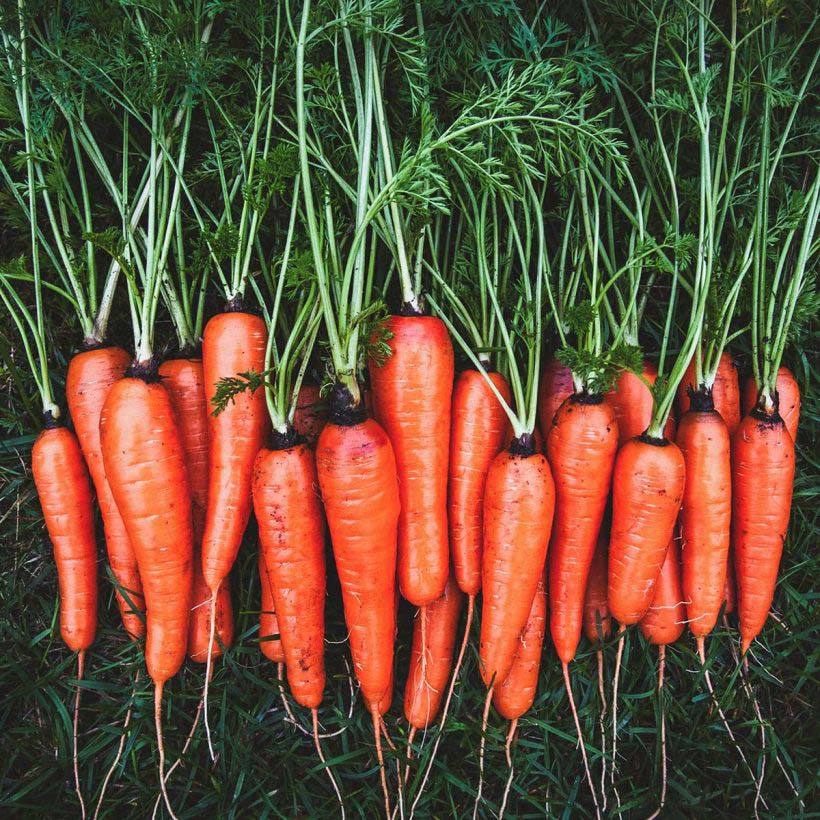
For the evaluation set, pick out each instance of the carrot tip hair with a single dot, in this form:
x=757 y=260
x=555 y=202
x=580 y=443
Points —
x=581 y=743
x=75 y=733
x=161 y=745
x=484 y=719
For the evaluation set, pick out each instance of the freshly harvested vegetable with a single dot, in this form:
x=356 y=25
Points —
x=270 y=642
x=311 y=413
x=632 y=401
x=788 y=399
x=725 y=391
x=597 y=618
x=554 y=386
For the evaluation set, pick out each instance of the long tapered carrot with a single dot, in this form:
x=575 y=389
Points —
x=233 y=343
x=270 y=643
x=647 y=490
x=725 y=391
x=428 y=674
x=184 y=380
x=663 y=623
x=632 y=402
x=479 y=425
x=519 y=502
x=706 y=513
x=596 y=607
x=788 y=397
x=412 y=393
x=762 y=478
x=311 y=413
x=88 y=380
x=581 y=449
x=357 y=475
x=554 y=387
x=292 y=540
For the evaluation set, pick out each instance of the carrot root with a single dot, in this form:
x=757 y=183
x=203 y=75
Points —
x=377 y=721
x=602 y=696
x=508 y=753
x=75 y=753
x=568 y=685
x=161 y=746
x=410 y=737
x=208 y=672
x=616 y=676
x=484 y=718
x=315 y=720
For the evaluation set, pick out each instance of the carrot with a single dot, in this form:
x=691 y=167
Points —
x=519 y=502
x=762 y=478
x=703 y=438
x=664 y=621
x=515 y=695
x=90 y=376
x=232 y=343
x=554 y=386
x=730 y=587
x=357 y=475
x=725 y=391
x=269 y=641
x=596 y=607
x=647 y=490
x=633 y=403
x=581 y=449
x=428 y=674
x=479 y=424
x=788 y=394
x=184 y=381
x=311 y=413
x=412 y=392
x=292 y=543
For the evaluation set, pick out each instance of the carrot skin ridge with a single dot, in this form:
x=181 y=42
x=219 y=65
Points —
x=412 y=394
x=357 y=475
x=647 y=490
x=519 y=503
x=88 y=381
x=232 y=343
x=479 y=425
x=64 y=489
x=145 y=465
x=292 y=540
x=582 y=445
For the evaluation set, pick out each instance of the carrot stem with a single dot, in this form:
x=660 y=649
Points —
x=315 y=720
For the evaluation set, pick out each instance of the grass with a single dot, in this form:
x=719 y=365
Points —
x=266 y=767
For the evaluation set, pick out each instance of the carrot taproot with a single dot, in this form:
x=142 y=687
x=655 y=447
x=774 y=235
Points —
x=631 y=400
x=311 y=413
x=88 y=380
x=706 y=512
x=763 y=464
x=596 y=607
x=428 y=674
x=479 y=425
x=292 y=541
x=581 y=449
x=519 y=503
x=357 y=475
x=647 y=490
x=270 y=643
x=412 y=392
x=663 y=623
x=788 y=396
x=725 y=391
x=554 y=386
x=516 y=693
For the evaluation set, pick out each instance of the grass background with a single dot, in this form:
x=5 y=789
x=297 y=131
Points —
x=266 y=767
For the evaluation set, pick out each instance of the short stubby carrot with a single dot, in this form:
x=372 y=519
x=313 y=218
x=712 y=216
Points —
x=311 y=413
x=88 y=380
x=233 y=343
x=596 y=607
x=270 y=643
x=788 y=399
x=292 y=540
x=65 y=496
x=725 y=391
x=145 y=465
x=664 y=621
x=647 y=490
x=762 y=479
x=428 y=674
x=357 y=475
x=554 y=387
x=479 y=425
x=519 y=502
x=632 y=401
x=515 y=695
x=412 y=393
x=706 y=513
x=581 y=450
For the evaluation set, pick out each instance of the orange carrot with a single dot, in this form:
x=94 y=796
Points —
x=412 y=393
x=703 y=438
x=730 y=588
x=90 y=376
x=269 y=641
x=647 y=490
x=788 y=395
x=762 y=478
x=554 y=386
x=633 y=404
x=428 y=674
x=357 y=475
x=479 y=424
x=311 y=413
x=664 y=621
x=515 y=695
x=519 y=502
x=596 y=607
x=581 y=448
x=292 y=543
x=725 y=391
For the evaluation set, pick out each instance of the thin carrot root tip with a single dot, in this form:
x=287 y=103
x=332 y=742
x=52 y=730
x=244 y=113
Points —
x=75 y=733
x=508 y=753
x=161 y=746
x=377 y=723
x=484 y=719
x=315 y=721
x=208 y=673
x=581 y=743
